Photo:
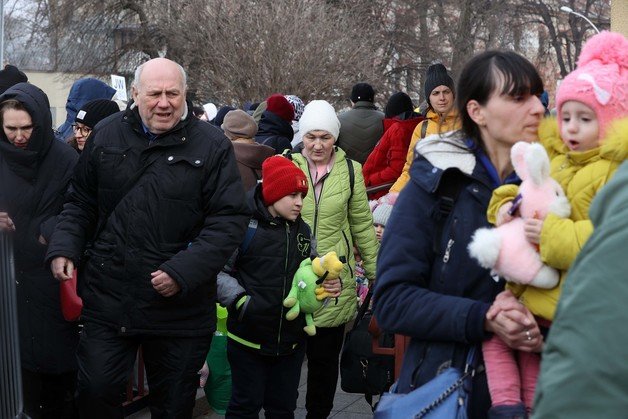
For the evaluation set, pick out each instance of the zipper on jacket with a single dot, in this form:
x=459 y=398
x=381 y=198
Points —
x=450 y=243
x=349 y=249
x=285 y=277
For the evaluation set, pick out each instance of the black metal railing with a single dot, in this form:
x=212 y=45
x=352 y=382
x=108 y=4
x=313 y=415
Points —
x=11 y=401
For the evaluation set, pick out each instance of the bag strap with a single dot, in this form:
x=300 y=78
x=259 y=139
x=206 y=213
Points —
x=451 y=183
x=424 y=127
x=363 y=309
x=248 y=237
x=351 y=175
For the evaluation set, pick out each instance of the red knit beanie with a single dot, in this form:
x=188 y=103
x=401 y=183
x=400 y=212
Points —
x=279 y=105
x=281 y=177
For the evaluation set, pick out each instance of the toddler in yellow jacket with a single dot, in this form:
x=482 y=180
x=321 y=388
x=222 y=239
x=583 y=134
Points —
x=585 y=147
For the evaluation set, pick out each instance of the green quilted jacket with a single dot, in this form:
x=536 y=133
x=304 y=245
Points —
x=337 y=220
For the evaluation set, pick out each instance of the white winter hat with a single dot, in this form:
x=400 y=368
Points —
x=319 y=115
x=381 y=214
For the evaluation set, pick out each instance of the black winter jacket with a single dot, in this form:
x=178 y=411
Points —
x=32 y=186
x=274 y=132
x=185 y=216
x=265 y=269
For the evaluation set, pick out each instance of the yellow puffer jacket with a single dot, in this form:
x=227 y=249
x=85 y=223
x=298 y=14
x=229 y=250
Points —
x=581 y=175
x=339 y=220
x=434 y=126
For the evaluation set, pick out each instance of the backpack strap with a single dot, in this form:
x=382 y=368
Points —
x=248 y=237
x=424 y=127
x=449 y=187
x=351 y=175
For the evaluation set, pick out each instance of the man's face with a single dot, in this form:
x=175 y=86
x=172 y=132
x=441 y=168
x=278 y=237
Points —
x=160 y=95
x=18 y=127
x=442 y=99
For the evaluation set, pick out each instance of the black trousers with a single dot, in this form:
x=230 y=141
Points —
x=49 y=396
x=106 y=359
x=257 y=381
x=323 y=355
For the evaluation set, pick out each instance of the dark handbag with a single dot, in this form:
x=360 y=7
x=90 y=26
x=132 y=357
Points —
x=444 y=396
x=361 y=371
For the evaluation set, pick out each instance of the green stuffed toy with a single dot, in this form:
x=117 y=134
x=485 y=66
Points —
x=302 y=296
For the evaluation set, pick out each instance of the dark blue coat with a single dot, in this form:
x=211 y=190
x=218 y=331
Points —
x=274 y=132
x=439 y=299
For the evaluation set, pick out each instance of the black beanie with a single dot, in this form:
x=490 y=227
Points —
x=437 y=76
x=362 y=91
x=10 y=76
x=397 y=104
x=95 y=111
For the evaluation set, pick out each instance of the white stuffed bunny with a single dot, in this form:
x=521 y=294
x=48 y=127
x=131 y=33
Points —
x=505 y=249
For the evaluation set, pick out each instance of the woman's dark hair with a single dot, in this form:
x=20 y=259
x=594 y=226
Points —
x=486 y=73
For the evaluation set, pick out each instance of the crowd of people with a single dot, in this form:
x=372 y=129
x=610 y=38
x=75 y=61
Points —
x=163 y=209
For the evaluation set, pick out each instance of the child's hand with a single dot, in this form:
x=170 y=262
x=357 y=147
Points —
x=532 y=229
x=502 y=214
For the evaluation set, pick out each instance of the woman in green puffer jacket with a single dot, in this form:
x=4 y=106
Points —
x=339 y=218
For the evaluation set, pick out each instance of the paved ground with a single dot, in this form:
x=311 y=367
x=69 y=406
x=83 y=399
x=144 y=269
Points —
x=346 y=406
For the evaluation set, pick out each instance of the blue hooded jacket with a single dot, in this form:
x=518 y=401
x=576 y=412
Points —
x=81 y=92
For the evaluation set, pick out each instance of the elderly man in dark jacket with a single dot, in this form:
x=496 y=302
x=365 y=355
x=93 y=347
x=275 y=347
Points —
x=35 y=171
x=157 y=196
x=362 y=126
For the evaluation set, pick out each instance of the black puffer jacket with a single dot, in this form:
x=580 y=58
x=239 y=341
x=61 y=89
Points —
x=274 y=132
x=32 y=186
x=265 y=269
x=185 y=216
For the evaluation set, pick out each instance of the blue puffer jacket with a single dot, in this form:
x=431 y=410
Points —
x=439 y=299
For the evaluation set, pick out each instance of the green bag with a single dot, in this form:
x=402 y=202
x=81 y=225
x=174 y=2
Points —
x=218 y=386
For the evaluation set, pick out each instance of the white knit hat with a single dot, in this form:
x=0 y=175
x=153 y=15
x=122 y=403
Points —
x=382 y=213
x=319 y=115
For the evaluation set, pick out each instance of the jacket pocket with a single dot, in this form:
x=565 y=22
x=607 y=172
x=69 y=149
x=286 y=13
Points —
x=110 y=161
x=182 y=177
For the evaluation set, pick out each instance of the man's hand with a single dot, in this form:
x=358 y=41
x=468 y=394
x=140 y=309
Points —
x=6 y=223
x=62 y=268
x=164 y=284
x=333 y=286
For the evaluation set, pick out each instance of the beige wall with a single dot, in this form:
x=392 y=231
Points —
x=619 y=16
x=57 y=87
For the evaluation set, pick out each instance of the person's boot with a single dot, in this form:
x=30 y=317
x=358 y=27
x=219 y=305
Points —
x=508 y=411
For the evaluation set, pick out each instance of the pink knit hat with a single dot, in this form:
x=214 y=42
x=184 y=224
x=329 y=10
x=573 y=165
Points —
x=601 y=79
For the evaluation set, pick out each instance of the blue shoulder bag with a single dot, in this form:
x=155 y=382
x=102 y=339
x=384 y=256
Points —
x=445 y=396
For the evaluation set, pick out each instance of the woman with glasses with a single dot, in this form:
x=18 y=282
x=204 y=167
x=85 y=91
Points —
x=86 y=119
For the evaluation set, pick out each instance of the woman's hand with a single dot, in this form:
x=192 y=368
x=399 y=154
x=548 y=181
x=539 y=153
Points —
x=503 y=216
x=532 y=229
x=514 y=324
x=333 y=286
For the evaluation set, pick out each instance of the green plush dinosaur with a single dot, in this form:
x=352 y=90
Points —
x=302 y=296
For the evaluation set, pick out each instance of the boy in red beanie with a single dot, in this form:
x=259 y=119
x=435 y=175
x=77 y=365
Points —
x=265 y=350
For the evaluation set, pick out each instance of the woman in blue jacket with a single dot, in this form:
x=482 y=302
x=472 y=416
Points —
x=428 y=287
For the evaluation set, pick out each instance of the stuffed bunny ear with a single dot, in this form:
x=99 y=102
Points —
x=538 y=163
x=517 y=157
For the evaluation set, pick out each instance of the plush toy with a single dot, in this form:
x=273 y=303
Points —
x=302 y=296
x=505 y=249
x=327 y=267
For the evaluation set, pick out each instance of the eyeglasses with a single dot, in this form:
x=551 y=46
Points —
x=85 y=131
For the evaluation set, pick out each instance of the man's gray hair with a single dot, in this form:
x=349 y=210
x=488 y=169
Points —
x=140 y=68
